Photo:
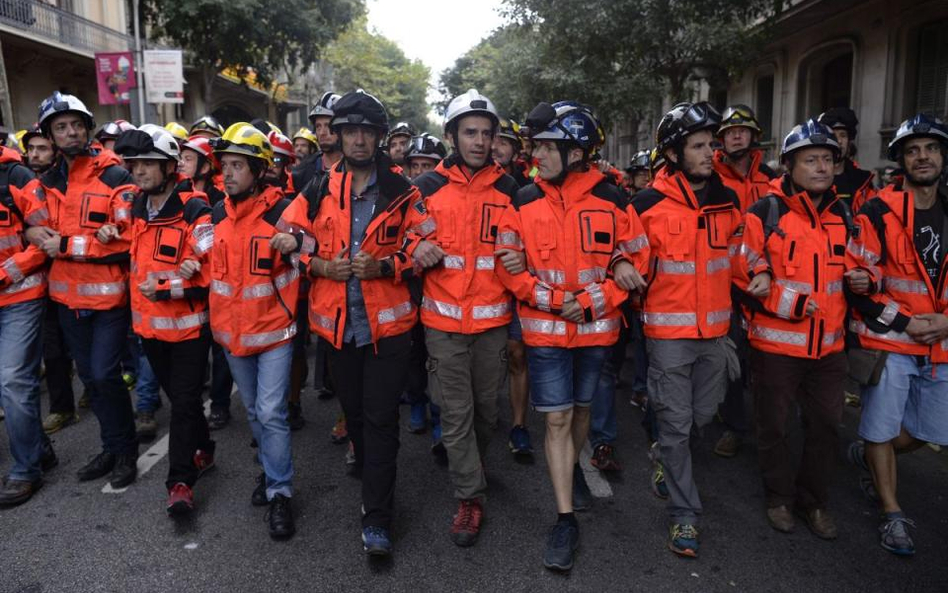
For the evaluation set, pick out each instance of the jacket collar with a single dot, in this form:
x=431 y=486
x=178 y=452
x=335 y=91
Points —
x=675 y=185
x=173 y=206
x=483 y=178
x=577 y=186
x=726 y=168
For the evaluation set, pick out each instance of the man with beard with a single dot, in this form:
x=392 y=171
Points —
x=853 y=185
x=320 y=119
x=900 y=310
x=398 y=141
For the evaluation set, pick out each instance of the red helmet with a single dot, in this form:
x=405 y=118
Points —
x=202 y=146
x=282 y=147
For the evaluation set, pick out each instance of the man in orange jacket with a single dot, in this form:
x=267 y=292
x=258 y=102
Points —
x=22 y=302
x=355 y=220
x=740 y=165
x=791 y=264
x=465 y=308
x=253 y=296
x=900 y=309
x=85 y=194
x=852 y=184
x=170 y=231
x=583 y=251
x=690 y=217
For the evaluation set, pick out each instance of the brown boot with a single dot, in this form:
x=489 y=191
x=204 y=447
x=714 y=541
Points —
x=780 y=518
x=16 y=492
x=728 y=444
x=821 y=523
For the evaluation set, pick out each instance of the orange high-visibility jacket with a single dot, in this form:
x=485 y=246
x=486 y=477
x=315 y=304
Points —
x=253 y=292
x=181 y=230
x=804 y=250
x=460 y=213
x=322 y=213
x=751 y=188
x=689 y=292
x=885 y=246
x=94 y=191
x=23 y=267
x=573 y=235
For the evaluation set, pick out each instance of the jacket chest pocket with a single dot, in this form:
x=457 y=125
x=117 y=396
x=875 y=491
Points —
x=490 y=218
x=678 y=238
x=325 y=236
x=94 y=211
x=905 y=254
x=168 y=245
x=836 y=235
x=6 y=217
x=598 y=231
x=447 y=222
x=219 y=259
x=545 y=236
x=387 y=231
x=261 y=256
x=718 y=228
x=792 y=254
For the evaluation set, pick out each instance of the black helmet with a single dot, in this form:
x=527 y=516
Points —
x=360 y=109
x=641 y=161
x=325 y=106
x=402 y=128
x=683 y=120
x=426 y=146
x=918 y=126
x=840 y=117
x=207 y=123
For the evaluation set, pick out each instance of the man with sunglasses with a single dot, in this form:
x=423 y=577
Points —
x=690 y=217
x=739 y=162
x=790 y=266
x=85 y=194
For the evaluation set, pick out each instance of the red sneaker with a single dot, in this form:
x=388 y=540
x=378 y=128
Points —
x=467 y=523
x=180 y=499
x=203 y=461
x=604 y=459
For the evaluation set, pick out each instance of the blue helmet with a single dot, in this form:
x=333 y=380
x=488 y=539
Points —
x=810 y=133
x=566 y=121
x=917 y=126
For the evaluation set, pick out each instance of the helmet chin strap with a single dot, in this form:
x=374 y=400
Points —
x=360 y=163
x=738 y=154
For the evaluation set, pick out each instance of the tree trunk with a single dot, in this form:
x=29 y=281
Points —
x=208 y=74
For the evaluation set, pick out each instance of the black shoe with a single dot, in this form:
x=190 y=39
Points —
x=15 y=492
x=218 y=419
x=280 y=518
x=259 y=496
x=125 y=470
x=295 y=417
x=561 y=546
x=48 y=459
x=97 y=467
x=323 y=393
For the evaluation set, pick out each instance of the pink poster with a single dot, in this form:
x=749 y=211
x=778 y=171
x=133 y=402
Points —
x=115 y=75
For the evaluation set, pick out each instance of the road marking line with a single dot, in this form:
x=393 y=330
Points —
x=598 y=485
x=152 y=456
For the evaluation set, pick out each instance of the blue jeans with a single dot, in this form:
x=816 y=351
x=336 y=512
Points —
x=603 y=428
x=21 y=347
x=147 y=389
x=561 y=378
x=911 y=394
x=264 y=380
x=97 y=340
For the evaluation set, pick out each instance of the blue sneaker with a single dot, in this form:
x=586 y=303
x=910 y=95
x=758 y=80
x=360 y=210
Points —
x=418 y=421
x=683 y=540
x=519 y=441
x=895 y=535
x=437 y=447
x=561 y=546
x=376 y=541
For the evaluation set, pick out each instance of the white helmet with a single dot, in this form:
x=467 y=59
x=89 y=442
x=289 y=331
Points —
x=59 y=103
x=148 y=142
x=470 y=103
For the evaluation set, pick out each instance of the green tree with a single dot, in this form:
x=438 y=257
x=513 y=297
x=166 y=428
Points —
x=365 y=59
x=249 y=35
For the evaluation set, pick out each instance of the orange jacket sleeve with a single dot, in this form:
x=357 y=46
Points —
x=526 y=287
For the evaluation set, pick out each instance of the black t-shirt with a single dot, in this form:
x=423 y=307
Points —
x=930 y=239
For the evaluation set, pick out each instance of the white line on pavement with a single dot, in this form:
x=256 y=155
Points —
x=152 y=456
x=598 y=485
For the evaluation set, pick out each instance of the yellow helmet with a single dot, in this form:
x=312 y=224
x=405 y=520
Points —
x=179 y=132
x=243 y=138
x=307 y=135
x=19 y=140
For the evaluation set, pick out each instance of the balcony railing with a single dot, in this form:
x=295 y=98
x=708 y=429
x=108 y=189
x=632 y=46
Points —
x=59 y=26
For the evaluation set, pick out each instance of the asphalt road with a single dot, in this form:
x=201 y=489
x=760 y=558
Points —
x=75 y=537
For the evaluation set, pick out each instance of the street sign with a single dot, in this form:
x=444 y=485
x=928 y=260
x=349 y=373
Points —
x=164 y=76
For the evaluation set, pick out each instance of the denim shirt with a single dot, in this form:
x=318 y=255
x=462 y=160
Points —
x=357 y=320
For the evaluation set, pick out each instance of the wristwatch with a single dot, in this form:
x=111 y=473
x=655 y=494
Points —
x=386 y=268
